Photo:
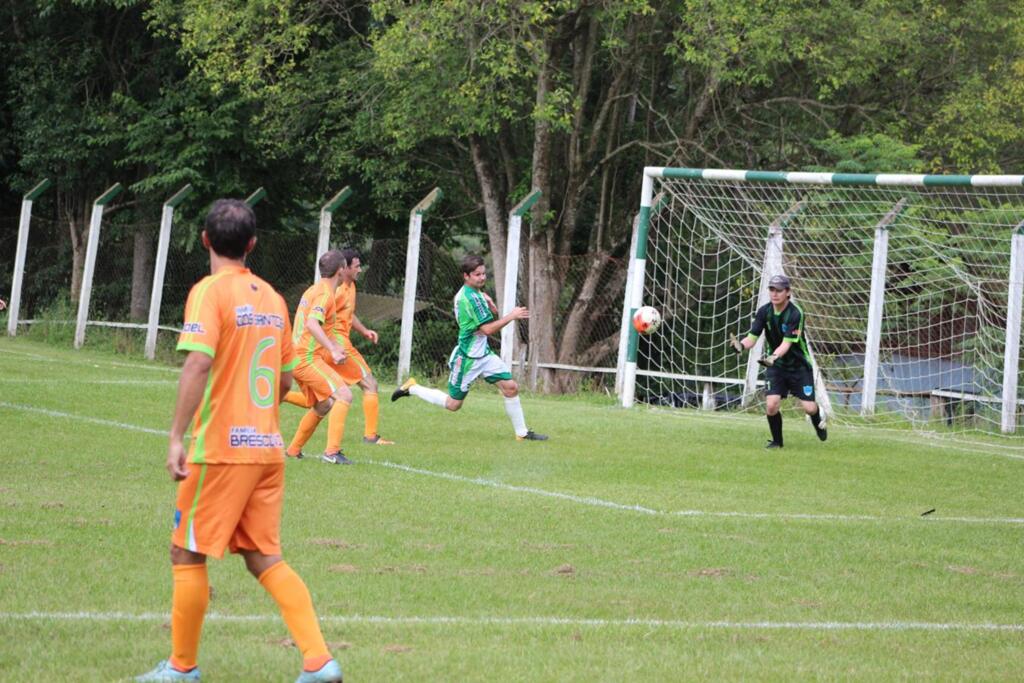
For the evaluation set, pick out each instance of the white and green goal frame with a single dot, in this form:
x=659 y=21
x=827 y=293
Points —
x=772 y=263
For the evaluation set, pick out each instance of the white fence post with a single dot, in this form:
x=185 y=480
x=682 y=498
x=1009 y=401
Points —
x=876 y=304
x=515 y=225
x=19 y=257
x=90 y=261
x=326 y=214
x=1013 y=316
x=160 y=268
x=412 y=263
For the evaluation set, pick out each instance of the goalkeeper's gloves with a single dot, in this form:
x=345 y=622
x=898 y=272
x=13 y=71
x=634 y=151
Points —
x=767 y=361
x=735 y=344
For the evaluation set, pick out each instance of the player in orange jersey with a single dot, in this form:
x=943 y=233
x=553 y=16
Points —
x=354 y=369
x=231 y=489
x=324 y=391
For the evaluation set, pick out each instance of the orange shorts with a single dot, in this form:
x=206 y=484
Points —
x=230 y=506
x=317 y=379
x=354 y=369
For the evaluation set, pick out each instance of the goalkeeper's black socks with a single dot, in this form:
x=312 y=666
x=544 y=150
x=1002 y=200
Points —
x=775 y=424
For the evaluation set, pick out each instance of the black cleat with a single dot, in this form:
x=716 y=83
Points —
x=772 y=444
x=403 y=390
x=532 y=436
x=300 y=456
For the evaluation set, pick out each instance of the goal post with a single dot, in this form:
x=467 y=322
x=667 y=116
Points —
x=912 y=286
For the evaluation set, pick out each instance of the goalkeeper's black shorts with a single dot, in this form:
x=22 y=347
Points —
x=782 y=381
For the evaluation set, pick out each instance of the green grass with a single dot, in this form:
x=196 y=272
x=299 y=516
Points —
x=518 y=545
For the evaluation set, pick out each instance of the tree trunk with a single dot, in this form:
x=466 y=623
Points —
x=142 y=274
x=494 y=213
x=78 y=226
x=543 y=293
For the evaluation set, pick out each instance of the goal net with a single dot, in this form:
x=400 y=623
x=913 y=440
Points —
x=911 y=286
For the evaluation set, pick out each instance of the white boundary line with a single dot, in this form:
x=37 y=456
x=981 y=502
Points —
x=93 y=420
x=77 y=361
x=541 y=621
x=936 y=442
x=583 y=500
x=141 y=382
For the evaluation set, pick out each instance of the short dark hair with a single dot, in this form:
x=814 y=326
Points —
x=230 y=225
x=330 y=262
x=349 y=254
x=471 y=262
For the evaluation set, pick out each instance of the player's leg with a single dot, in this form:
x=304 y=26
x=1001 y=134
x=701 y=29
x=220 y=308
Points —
x=257 y=539
x=513 y=407
x=189 y=600
x=209 y=504
x=494 y=371
x=298 y=397
x=805 y=392
x=319 y=383
x=458 y=386
x=336 y=423
x=776 y=391
x=354 y=371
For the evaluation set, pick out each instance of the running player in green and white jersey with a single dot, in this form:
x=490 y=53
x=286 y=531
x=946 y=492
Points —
x=477 y=317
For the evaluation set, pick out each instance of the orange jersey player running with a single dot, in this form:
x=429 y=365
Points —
x=231 y=481
x=354 y=369
x=316 y=350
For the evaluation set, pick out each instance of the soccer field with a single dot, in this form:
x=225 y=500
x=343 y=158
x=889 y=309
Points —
x=634 y=545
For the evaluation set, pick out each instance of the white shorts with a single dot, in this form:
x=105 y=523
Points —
x=464 y=370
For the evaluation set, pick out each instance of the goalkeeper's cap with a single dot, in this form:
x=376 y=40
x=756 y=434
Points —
x=779 y=282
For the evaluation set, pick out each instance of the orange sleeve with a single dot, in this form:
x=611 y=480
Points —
x=322 y=306
x=288 y=357
x=201 y=330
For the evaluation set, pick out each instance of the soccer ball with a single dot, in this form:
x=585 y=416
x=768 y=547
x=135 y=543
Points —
x=646 y=319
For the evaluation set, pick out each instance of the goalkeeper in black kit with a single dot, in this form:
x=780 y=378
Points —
x=788 y=365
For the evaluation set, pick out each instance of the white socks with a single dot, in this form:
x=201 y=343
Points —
x=514 y=410
x=435 y=396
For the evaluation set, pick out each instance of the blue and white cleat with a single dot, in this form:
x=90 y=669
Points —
x=165 y=673
x=328 y=673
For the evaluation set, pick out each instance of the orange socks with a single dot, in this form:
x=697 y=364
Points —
x=370 y=408
x=292 y=597
x=307 y=426
x=298 y=398
x=188 y=607
x=336 y=426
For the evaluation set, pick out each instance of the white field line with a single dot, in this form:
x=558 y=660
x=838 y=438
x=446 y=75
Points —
x=76 y=361
x=582 y=500
x=73 y=380
x=598 y=502
x=540 y=621
x=81 y=418
x=961 y=445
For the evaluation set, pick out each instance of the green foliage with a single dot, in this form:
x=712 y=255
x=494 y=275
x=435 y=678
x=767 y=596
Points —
x=868 y=153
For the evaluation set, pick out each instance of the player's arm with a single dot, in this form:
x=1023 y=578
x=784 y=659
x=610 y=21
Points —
x=362 y=329
x=191 y=386
x=323 y=339
x=517 y=313
x=490 y=303
x=756 y=328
